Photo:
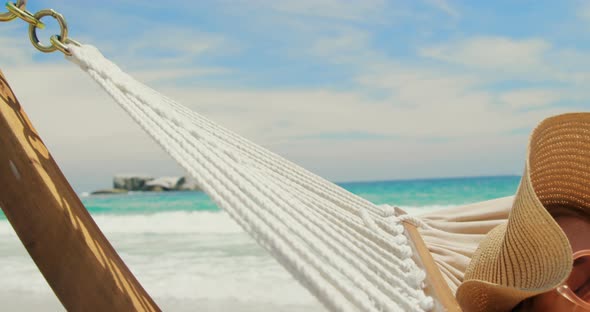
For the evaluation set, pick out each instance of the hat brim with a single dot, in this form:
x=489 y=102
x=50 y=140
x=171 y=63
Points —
x=476 y=294
x=530 y=254
x=480 y=295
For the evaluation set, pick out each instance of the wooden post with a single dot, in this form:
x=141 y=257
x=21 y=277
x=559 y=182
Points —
x=76 y=259
x=436 y=286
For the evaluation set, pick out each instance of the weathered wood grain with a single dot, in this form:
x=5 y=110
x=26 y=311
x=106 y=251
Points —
x=76 y=259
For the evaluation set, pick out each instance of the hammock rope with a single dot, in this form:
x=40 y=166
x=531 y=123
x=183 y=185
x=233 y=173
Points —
x=351 y=254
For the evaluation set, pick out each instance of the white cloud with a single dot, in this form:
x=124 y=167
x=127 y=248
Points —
x=531 y=98
x=161 y=75
x=15 y=46
x=345 y=46
x=442 y=100
x=443 y=113
x=175 y=45
x=336 y=9
x=444 y=6
x=583 y=10
x=420 y=107
x=85 y=130
x=493 y=53
x=176 y=55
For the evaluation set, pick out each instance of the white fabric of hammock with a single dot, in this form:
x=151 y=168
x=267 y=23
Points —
x=351 y=254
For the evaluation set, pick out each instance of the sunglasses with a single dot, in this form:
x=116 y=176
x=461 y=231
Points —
x=576 y=288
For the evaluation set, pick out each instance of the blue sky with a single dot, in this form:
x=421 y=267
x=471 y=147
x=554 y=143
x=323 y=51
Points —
x=353 y=90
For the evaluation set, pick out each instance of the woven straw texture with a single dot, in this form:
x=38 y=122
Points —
x=530 y=254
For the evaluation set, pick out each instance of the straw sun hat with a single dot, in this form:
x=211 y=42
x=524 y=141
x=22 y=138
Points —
x=530 y=254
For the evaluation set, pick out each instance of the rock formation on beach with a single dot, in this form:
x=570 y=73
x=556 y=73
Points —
x=188 y=184
x=126 y=183
x=109 y=191
x=164 y=184
x=130 y=182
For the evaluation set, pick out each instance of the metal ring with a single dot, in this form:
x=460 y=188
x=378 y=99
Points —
x=63 y=34
x=9 y=16
x=56 y=41
x=24 y=15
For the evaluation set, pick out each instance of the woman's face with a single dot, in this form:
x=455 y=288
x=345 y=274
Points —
x=577 y=230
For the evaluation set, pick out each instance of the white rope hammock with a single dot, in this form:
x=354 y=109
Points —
x=351 y=254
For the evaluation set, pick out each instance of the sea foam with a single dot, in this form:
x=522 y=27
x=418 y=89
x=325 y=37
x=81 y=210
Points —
x=176 y=222
x=158 y=223
x=205 y=222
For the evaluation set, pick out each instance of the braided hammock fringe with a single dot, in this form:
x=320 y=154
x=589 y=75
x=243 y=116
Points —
x=351 y=254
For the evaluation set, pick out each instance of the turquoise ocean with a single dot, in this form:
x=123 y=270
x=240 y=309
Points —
x=190 y=255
